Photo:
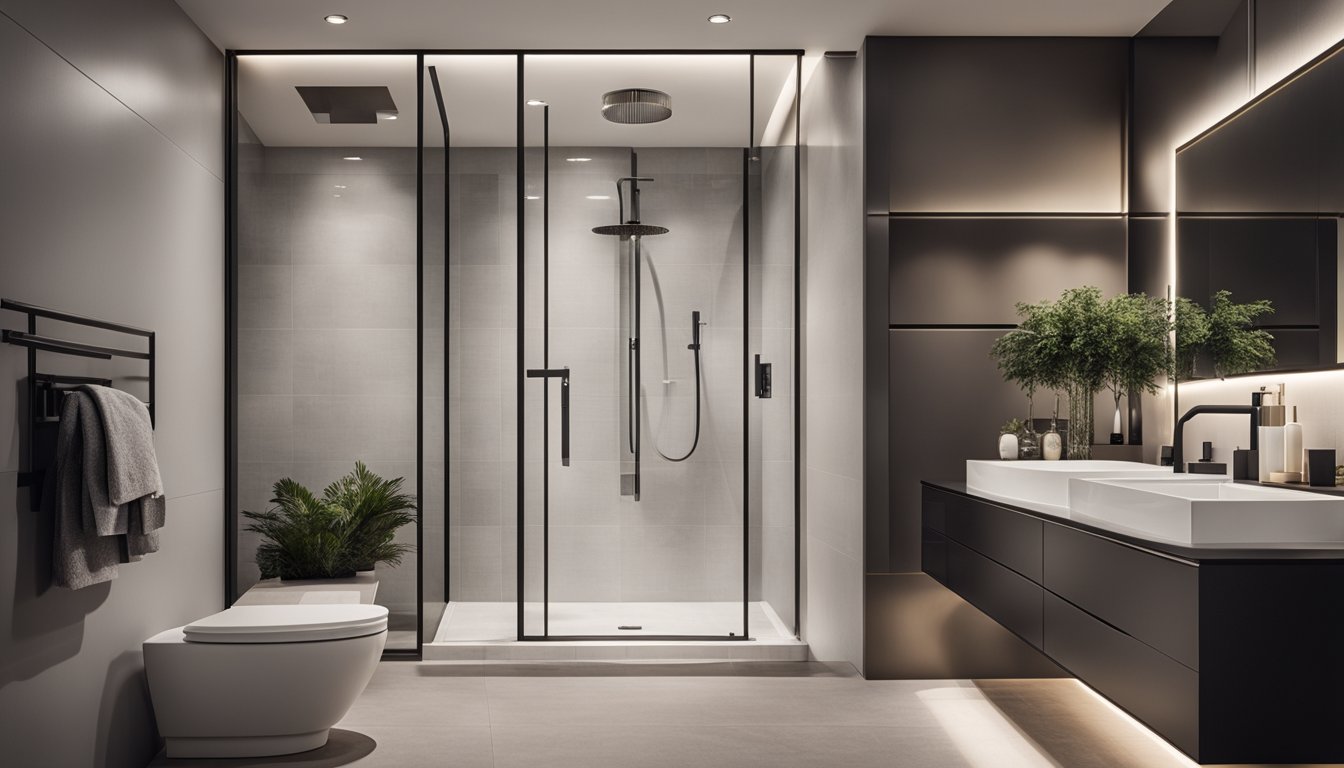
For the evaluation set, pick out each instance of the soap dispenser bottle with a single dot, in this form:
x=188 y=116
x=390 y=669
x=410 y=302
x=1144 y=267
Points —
x=1272 y=420
x=1292 y=449
x=1052 y=445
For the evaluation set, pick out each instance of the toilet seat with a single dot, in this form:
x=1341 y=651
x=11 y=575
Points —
x=287 y=624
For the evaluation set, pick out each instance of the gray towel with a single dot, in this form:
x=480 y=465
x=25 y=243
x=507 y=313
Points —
x=104 y=455
x=132 y=467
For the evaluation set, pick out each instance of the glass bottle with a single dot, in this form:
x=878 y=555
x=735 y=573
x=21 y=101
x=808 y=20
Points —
x=1028 y=441
x=1052 y=445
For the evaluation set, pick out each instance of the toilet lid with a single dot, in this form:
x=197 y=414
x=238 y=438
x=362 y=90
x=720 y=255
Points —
x=287 y=623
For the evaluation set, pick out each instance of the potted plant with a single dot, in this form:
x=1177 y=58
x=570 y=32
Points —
x=351 y=527
x=1081 y=343
x=1137 y=348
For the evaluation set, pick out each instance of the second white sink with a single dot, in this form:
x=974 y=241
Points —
x=1212 y=512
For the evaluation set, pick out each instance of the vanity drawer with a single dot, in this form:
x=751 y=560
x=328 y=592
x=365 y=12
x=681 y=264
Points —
x=1009 y=538
x=1150 y=685
x=933 y=554
x=1152 y=598
x=934 y=509
x=1001 y=594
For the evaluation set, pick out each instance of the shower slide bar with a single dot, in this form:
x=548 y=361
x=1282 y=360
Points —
x=563 y=375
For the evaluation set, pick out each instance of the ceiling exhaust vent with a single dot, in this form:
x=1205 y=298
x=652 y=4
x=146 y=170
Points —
x=348 y=104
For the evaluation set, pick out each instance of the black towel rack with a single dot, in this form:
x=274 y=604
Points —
x=46 y=390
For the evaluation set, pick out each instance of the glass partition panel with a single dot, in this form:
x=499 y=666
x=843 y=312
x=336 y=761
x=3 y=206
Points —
x=327 y=335
x=773 y=319
x=641 y=330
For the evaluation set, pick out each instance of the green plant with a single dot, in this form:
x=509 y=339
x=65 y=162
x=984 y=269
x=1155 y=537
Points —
x=352 y=526
x=1137 y=344
x=1081 y=343
x=1012 y=427
x=1235 y=346
x=1192 y=333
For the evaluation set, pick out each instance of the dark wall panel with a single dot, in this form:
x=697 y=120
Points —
x=947 y=403
x=973 y=271
x=1169 y=73
x=1149 y=256
x=1002 y=124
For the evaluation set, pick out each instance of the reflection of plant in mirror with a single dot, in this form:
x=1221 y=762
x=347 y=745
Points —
x=1011 y=427
x=1192 y=331
x=1233 y=344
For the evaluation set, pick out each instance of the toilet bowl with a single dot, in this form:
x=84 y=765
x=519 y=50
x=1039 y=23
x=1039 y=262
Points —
x=261 y=680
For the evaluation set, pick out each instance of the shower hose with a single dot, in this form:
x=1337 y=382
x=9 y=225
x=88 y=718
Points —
x=696 y=348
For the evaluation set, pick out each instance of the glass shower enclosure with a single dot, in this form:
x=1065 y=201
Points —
x=607 y=336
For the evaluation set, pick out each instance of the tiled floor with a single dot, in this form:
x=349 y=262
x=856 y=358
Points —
x=721 y=714
x=488 y=632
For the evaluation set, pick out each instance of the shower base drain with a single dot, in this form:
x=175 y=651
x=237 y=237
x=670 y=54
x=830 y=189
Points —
x=631 y=626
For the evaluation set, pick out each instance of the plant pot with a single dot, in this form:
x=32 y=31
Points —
x=349 y=575
x=1008 y=446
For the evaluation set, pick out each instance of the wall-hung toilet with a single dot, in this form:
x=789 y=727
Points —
x=261 y=680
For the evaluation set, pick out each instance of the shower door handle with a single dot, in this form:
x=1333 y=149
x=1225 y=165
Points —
x=563 y=375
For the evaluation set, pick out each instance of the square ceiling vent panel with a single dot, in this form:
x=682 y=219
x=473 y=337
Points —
x=347 y=104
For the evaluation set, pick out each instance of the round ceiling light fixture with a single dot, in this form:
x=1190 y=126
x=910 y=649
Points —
x=535 y=103
x=720 y=18
x=636 y=106
x=336 y=18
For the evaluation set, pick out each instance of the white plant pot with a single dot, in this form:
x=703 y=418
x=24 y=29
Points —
x=1008 y=447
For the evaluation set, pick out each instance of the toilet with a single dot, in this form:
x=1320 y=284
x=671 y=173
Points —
x=260 y=680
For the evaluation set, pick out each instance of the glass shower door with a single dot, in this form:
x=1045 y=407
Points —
x=633 y=379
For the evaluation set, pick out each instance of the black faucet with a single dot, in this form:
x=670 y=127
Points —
x=1178 y=458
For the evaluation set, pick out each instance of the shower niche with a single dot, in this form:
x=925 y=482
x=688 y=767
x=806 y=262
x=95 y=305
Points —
x=607 y=258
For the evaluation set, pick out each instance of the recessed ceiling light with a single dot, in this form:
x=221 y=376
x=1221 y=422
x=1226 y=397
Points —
x=340 y=186
x=336 y=195
x=534 y=197
x=337 y=18
x=535 y=103
x=599 y=197
x=720 y=18
x=577 y=159
x=352 y=157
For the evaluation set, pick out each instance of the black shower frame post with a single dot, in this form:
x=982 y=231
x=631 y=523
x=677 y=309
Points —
x=231 y=320
x=747 y=359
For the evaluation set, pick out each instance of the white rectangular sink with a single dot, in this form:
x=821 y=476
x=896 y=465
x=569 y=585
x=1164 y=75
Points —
x=1217 y=512
x=1047 y=482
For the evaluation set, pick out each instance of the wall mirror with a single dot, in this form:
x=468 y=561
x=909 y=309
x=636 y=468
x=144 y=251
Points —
x=1259 y=207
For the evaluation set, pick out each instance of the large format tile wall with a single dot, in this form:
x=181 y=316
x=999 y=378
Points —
x=833 y=393
x=112 y=192
x=683 y=539
x=327 y=329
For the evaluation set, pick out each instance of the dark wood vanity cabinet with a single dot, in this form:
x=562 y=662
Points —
x=1234 y=656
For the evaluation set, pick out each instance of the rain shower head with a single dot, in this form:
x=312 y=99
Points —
x=630 y=230
x=636 y=106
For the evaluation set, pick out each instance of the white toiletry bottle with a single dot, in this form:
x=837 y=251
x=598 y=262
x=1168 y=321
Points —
x=1292 y=449
x=1052 y=445
x=1272 y=419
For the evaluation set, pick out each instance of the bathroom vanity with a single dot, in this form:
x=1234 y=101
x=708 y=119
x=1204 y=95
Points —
x=1233 y=653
